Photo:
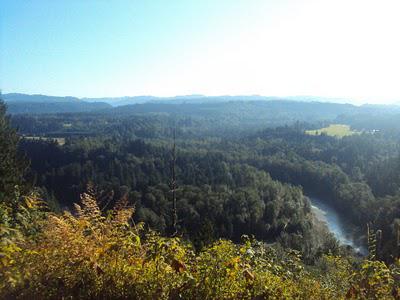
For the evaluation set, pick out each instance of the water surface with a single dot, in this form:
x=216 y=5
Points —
x=336 y=224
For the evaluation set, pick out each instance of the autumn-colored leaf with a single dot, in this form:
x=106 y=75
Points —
x=178 y=266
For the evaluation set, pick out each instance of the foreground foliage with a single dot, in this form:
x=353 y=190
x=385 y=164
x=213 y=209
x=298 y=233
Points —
x=96 y=255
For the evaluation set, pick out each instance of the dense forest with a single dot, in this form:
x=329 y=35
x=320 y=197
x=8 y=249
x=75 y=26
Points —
x=244 y=174
x=233 y=182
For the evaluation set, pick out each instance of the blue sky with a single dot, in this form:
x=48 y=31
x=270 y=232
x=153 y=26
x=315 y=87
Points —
x=341 y=48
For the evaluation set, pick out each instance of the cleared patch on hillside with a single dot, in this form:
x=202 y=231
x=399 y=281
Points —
x=60 y=141
x=336 y=130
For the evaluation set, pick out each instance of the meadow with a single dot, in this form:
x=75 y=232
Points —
x=336 y=130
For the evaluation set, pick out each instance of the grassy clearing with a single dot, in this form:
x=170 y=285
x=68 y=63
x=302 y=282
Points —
x=60 y=141
x=337 y=130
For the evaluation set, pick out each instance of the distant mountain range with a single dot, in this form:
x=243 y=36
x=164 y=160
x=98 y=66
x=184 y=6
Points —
x=16 y=97
x=24 y=103
x=37 y=104
x=118 y=101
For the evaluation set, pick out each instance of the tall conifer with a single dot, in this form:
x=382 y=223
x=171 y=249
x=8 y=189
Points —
x=12 y=165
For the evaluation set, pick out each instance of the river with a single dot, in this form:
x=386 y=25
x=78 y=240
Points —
x=343 y=231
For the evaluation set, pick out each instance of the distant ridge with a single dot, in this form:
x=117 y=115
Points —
x=196 y=98
x=18 y=97
x=25 y=103
x=40 y=104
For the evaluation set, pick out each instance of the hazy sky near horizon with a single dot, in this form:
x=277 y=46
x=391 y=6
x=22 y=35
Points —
x=335 y=48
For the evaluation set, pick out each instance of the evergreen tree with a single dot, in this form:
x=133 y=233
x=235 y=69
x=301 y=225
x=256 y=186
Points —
x=12 y=164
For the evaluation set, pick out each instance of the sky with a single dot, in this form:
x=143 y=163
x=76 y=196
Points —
x=100 y=48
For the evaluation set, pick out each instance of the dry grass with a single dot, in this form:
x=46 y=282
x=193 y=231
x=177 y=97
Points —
x=337 y=130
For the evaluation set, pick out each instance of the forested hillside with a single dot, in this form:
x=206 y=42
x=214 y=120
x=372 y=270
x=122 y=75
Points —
x=357 y=174
x=93 y=218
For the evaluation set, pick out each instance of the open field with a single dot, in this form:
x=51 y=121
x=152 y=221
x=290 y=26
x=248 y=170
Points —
x=60 y=141
x=337 y=130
